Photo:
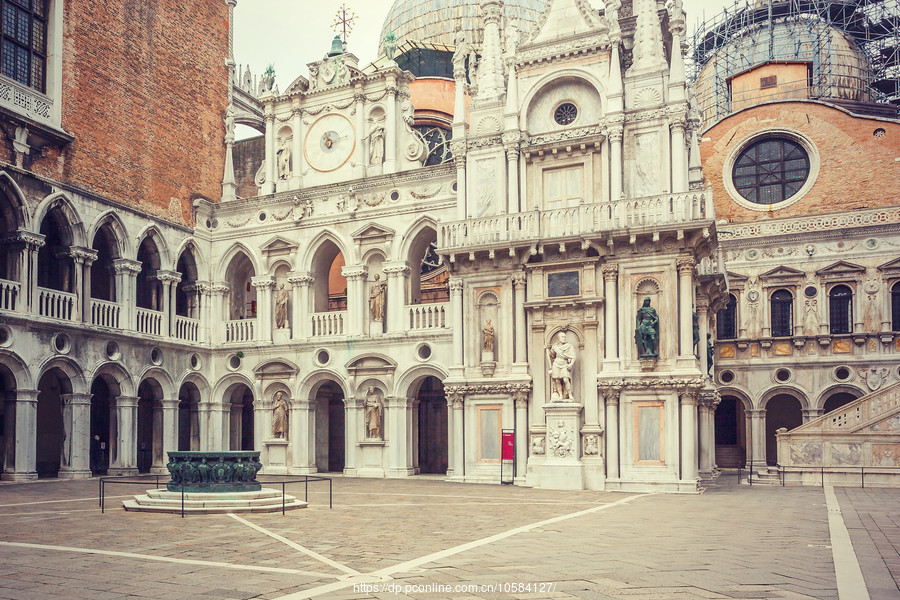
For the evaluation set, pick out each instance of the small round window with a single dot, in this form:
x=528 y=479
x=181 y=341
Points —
x=565 y=113
x=770 y=170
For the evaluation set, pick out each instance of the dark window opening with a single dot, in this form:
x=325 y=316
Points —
x=840 y=309
x=770 y=170
x=23 y=52
x=726 y=320
x=782 y=309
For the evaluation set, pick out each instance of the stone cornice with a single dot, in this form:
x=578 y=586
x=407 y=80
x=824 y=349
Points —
x=881 y=220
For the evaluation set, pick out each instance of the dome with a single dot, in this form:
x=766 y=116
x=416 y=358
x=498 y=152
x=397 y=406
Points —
x=437 y=21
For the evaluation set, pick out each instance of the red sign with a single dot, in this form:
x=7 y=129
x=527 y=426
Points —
x=508 y=445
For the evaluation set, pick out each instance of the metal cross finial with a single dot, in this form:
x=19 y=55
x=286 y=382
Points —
x=344 y=21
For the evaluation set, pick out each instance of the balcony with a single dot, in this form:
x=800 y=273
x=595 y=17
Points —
x=105 y=314
x=241 y=330
x=55 y=304
x=187 y=329
x=587 y=219
x=149 y=321
x=427 y=316
x=9 y=294
x=328 y=323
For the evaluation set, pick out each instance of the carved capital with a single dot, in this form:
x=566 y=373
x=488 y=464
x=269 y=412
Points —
x=395 y=270
x=456 y=285
x=455 y=397
x=491 y=11
x=262 y=282
x=169 y=277
x=354 y=272
x=519 y=280
x=126 y=266
x=301 y=279
x=219 y=288
x=610 y=271
x=615 y=134
x=702 y=304
x=685 y=264
x=83 y=255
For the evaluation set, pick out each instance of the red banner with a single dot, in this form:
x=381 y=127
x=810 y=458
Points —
x=508 y=445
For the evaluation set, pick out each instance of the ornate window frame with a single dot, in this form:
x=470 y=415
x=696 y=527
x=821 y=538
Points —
x=771 y=132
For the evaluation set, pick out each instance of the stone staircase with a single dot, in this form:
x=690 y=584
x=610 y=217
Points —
x=263 y=501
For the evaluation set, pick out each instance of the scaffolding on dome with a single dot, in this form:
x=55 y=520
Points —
x=860 y=67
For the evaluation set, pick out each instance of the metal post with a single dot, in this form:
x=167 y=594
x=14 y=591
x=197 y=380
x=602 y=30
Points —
x=282 y=498
x=780 y=468
x=182 y=499
x=823 y=476
x=330 y=505
x=862 y=474
x=306 y=488
x=102 y=497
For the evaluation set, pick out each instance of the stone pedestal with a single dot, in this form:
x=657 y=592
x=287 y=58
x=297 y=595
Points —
x=372 y=458
x=562 y=468
x=376 y=328
x=276 y=457
x=282 y=335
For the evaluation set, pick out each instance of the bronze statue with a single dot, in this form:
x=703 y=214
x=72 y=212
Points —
x=646 y=331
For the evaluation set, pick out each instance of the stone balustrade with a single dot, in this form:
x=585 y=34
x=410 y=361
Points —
x=105 y=314
x=328 y=323
x=9 y=294
x=241 y=330
x=187 y=329
x=428 y=316
x=56 y=304
x=149 y=321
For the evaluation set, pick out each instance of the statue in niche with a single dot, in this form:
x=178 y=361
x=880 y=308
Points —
x=562 y=359
x=710 y=353
x=376 y=299
x=284 y=158
x=281 y=302
x=488 y=334
x=374 y=413
x=695 y=330
x=376 y=145
x=646 y=331
x=279 y=416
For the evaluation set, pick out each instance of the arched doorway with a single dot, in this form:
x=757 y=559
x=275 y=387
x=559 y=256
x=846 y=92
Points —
x=432 y=426
x=102 y=419
x=835 y=401
x=781 y=411
x=329 y=428
x=7 y=419
x=241 y=400
x=242 y=294
x=188 y=417
x=330 y=287
x=731 y=434
x=186 y=298
x=150 y=427
x=103 y=273
x=50 y=430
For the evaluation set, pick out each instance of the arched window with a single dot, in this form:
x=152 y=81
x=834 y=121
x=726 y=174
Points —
x=103 y=274
x=840 y=309
x=149 y=287
x=895 y=307
x=186 y=298
x=56 y=268
x=726 y=320
x=782 y=313
x=437 y=140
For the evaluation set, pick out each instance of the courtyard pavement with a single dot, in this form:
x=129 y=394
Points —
x=426 y=538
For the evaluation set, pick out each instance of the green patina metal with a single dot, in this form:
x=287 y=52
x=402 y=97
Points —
x=218 y=472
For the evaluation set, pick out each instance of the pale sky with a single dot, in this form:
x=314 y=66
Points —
x=292 y=33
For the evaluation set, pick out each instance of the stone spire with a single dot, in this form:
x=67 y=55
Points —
x=677 y=78
x=229 y=186
x=511 y=114
x=648 y=44
x=490 y=67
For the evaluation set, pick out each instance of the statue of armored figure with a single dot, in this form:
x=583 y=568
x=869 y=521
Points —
x=562 y=359
x=646 y=331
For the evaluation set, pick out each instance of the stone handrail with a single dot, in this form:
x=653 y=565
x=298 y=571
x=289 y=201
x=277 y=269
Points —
x=9 y=294
x=149 y=321
x=428 y=316
x=241 y=330
x=328 y=323
x=536 y=225
x=187 y=329
x=105 y=314
x=854 y=415
x=56 y=304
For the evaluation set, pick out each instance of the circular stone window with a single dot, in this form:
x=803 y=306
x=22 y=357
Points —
x=156 y=356
x=195 y=362
x=62 y=343
x=565 y=113
x=423 y=352
x=770 y=170
x=322 y=357
x=879 y=133
x=727 y=376
x=5 y=336
x=262 y=216
x=783 y=375
x=112 y=351
x=842 y=373
x=234 y=362
x=810 y=291
x=395 y=195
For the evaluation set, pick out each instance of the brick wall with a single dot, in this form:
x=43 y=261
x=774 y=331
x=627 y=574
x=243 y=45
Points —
x=858 y=169
x=144 y=95
x=248 y=156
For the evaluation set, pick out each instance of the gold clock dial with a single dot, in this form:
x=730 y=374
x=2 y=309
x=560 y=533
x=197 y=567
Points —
x=330 y=142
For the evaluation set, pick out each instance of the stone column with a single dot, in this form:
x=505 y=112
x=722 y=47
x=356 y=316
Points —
x=77 y=282
x=169 y=280
x=512 y=162
x=458 y=444
x=170 y=426
x=390 y=126
x=610 y=312
x=521 y=402
x=204 y=425
x=351 y=435
x=689 y=436
x=588 y=390
x=76 y=457
x=396 y=274
x=87 y=257
x=264 y=285
x=611 y=396
x=217 y=316
x=458 y=149
x=357 y=299
x=303 y=329
x=127 y=272
x=679 y=166
x=296 y=143
x=686 y=314
x=616 y=190
x=204 y=307
x=219 y=433
x=703 y=318
x=451 y=469
x=709 y=399
x=271 y=158
x=24 y=461
x=294 y=280
x=32 y=242
x=456 y=318
x=361 y=157
x=757 y=439
x=520 y=332
x=126 y=411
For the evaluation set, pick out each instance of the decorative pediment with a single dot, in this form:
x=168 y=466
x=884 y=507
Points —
x=841 y=270
x=373 y=233
x=736 y=280
x=563 y=19
x=276 y=369
x=278 y=245
x=891 y=267
x=301 y=84
x=371 y=363
x=782 y=273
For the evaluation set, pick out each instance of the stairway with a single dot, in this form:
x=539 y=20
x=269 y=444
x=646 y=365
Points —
x=161 y=500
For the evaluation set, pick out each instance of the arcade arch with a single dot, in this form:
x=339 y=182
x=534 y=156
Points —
x=330 y=426
x=782 y=410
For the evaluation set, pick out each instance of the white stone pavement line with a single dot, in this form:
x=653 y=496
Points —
x=169 y=559
x=48 y=512
x=298 y=547
x=404 y=567
x=94 y=499
x=850 y=582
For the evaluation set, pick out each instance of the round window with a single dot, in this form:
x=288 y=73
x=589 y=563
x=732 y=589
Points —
x=5 y=336
x=811 y=291
x=842 y=373
x=727 y=376
x=234 y=362
x=770 y=170
x=565 y=113
x=62 y=343
x=782 y=375
x=156 y=356
x=322 y=357
x=112 y=351
x=195 y=361
x=424 y=352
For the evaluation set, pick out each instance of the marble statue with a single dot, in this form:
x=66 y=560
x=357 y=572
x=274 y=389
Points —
x=313 y=77
x=376 y=145
x=488 y=332
x=374 y=412
x=646 y=331
x=562 y=359
x=284 y=158
x=460 y=53
x=376 y=299
x=279 y=416
x=281 y=301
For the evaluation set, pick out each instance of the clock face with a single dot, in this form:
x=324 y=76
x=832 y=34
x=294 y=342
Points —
x=330 y=142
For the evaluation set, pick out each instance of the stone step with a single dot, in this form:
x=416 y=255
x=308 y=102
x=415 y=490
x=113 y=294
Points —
x=190 y=501
x=133 y=506
x=161 y=500
x=164 y=494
